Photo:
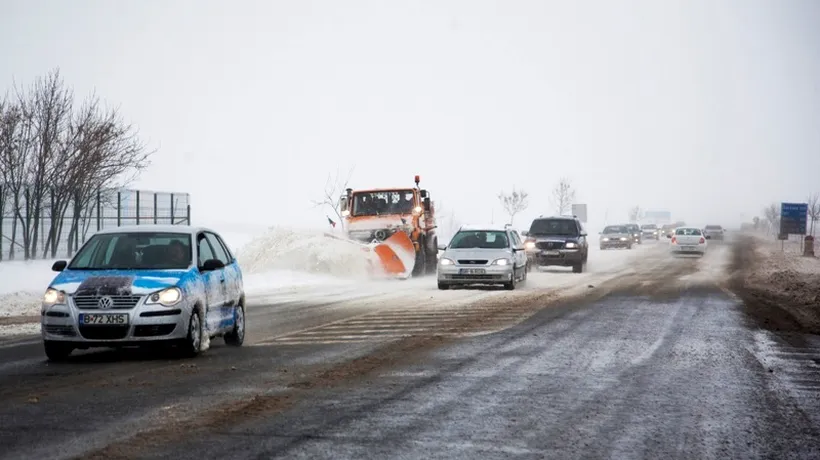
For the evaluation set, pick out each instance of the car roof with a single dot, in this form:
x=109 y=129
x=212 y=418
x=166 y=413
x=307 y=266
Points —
x=555 y=218
x=151 y=228
x=484 y=227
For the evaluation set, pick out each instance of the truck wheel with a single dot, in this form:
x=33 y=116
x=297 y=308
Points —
x=432 y=259
x=421 y=256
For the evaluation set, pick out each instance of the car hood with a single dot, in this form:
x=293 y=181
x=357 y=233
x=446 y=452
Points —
x=116 y=282
x=472 y=253
x=557 y=238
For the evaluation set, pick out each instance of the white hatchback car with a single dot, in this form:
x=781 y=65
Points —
x=688 y=240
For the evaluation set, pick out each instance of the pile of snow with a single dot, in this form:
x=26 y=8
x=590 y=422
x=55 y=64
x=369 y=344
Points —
x=22 y=285
x=282 y=249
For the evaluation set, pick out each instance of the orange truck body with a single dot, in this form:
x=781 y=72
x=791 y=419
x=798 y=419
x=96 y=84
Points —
x=398 y=224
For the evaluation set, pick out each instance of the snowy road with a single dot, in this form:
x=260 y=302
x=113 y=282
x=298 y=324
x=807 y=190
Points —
x=645 y=356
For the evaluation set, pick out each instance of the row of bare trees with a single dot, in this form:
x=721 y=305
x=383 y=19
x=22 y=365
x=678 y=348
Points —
x=55 y=156
x=561 y=198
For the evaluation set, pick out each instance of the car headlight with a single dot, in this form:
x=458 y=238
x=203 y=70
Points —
x=624 y=239
x=572 y=245
x=604 y=239
x=446 y=261
x=166 y=297
x=501 y=262
x=53 y=297
x=529 y=245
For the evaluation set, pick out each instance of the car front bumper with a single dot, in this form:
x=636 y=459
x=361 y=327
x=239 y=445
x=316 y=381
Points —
x=146 y=323
x=616 y=243
x=556 y=258
x=492 y=274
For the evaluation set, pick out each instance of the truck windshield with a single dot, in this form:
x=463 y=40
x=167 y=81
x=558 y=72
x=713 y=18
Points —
x=134 y=251
x=383 y=203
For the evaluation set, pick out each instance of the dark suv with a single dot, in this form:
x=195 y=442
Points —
x=557 y=241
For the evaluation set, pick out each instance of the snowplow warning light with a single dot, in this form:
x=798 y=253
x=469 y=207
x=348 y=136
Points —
x=418 y=179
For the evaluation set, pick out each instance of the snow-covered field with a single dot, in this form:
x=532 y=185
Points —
x=281 y=264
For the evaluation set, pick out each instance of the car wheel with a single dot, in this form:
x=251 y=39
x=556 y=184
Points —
x=578 y=268
x=443 y=286
x=192 y=344
x=237 y=336
x=509 y=286
x=57 y=351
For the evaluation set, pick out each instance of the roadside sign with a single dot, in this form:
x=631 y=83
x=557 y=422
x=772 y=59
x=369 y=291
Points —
x=580 y=211
x=793 y=218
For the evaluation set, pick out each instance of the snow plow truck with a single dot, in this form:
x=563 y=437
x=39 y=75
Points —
x=398 y=225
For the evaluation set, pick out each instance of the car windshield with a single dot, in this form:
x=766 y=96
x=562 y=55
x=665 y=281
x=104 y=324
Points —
x=481 y=239
x=649 y=227
x=688 y=232
x=553 y=227
x=615 y=229
x=134 y=251
x=384 y=202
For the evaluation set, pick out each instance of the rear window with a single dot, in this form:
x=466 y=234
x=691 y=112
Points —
x=688 y=232
x=713 y=227
x=554 y=227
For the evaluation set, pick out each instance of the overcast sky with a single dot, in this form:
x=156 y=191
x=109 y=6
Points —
x=709 y=109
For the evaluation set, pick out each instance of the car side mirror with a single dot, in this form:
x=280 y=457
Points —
x=584 y=233
x=525 y=233
x=211 y=265
x=59 y=266
x=708 y=237
x=442 y=247
x=669 y=236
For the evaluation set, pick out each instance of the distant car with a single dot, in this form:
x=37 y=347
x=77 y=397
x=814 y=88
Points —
x=714 y=232
x=616 y=236
x=557 y=241
x=483 y=254
x=635 y=232
x=688 y=240
x=140 y=285
x=650 y=231
x=668 y=230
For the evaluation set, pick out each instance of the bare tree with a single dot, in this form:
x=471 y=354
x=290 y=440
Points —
x=635 y=213
x=514 y=202
x=814 y=210
x=772 y=215
x=54 y=158
x=335 y=186
x=562 y=196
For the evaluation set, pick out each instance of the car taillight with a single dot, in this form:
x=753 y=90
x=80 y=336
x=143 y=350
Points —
x=702 y=240
x=674 y=240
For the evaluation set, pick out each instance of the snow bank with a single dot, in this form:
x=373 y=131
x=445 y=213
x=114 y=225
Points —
x=307 y=252
x=22 y=285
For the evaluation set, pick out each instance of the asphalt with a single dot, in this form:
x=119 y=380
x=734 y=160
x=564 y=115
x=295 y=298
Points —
x=649 y=365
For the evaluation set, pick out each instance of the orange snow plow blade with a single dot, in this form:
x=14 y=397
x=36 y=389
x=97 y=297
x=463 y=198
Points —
x=397 y=255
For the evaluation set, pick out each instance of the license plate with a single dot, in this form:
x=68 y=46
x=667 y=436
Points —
x=552 y=253
x=472 y=271
x=688 y=248
x=104 y=319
